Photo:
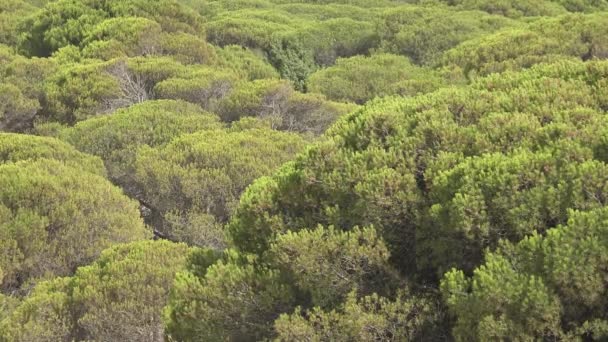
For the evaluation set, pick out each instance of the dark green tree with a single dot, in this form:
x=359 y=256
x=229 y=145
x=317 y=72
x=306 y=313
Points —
x=551 y=286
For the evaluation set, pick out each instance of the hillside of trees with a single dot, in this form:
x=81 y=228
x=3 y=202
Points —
x=303 y=170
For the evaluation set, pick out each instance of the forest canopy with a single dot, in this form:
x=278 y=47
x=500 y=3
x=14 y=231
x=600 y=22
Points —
x=303 y=170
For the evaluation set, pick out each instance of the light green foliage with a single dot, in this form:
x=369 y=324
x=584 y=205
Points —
x=310 y=113
x=329 y=264
x=257 y=98
x=545 y=286
x=114 y=29
x=117 y=137
x=371 y=318
x=144 y=73
x=43 y=316
x=170 y=14
x=25 y=73
x=245 y=62
x=360 y=79
x=204 y=86
x=135 y=36
x=186 y=48
x=19 y=147
x=118 y=37
x=6 y=53
x=424 y=34
x=54 y=218
x=68 y=55
x=250 y=123
x=29 y=74
x=297 y=38
x=74 y=22
x=232 y=300
x=77 y=92
x=546 y=40
x=128 y=284
x=11 y=11
x=199 y=177
x=194 y=227
x=277 y=101
x=7 y=306
x=511 y=8
x=60 y=23
x=519 y=8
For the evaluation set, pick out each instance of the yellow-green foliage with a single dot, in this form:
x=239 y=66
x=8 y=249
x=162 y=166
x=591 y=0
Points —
x=21 y=89
x=360 y=79
x=199 y=177
x=54 y=217
x=131 y=36
x=19 y=147
x=69 y=22
x=424 y=34
x=309 y=256
x=245 y=62
x=511 y=8
x=297 y=38
x=369 y=318
x=573 y=36
x=186 y=48
x=11 y=12
x=117 y=137
x=204 y=86
x=128 y=283
x=276 y=101
x=16 y=110
x=78 y=91
x=43 y=316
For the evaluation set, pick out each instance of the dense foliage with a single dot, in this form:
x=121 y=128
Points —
x=194 y=182
x=127 y=284
x=299 y=170
x=55 y=218
x=116 y=138
x=550 y=286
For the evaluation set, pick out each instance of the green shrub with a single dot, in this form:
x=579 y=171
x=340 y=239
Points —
x=251 y=297
x=116 y=138
x=20 y=147
x=424 y=34
x=384 y=165
x=55 y=218
x=546 y=40
x=360 y=79
x=128 y=284
x=195 y=181
x=552 y=285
